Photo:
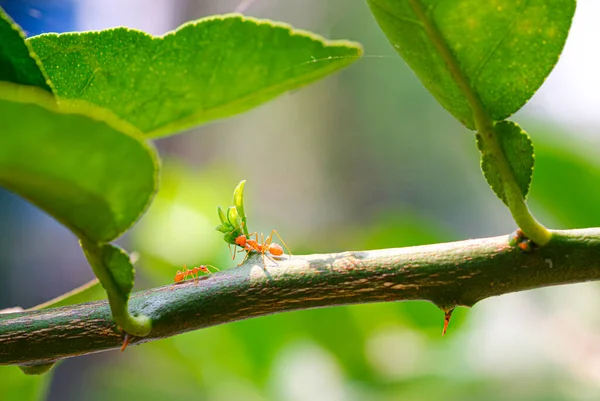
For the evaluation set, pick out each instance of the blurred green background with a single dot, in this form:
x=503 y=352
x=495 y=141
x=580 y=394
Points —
x=362 y=160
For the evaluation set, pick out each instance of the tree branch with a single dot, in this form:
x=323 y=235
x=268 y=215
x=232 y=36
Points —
x=458 y=273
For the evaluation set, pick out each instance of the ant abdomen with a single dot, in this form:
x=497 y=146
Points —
x=275 y=250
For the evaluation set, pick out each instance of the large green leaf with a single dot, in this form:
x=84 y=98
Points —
x=517 y=148
x=497 y=52
x=18 y=64
x=82 y=169
x=205 y=70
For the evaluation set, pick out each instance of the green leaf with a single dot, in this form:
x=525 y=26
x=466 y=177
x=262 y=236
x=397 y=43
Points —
x=120 y=268
x=89 y=171
x=238 y=202
x=222 y=216
x=494 y=53
x=18 y=63
x=517 y=148
x=112 y=265
x=233 y=217
x=205 y=70
x=15 y=385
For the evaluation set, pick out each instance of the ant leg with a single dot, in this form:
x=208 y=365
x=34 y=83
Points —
x=264 y=250
x=231 y=252
x=264 y=247
x=234 y=247
x=245 y=258
x=271 y=259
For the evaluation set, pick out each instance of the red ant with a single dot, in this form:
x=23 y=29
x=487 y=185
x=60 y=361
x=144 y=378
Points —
x=194 y=272
x=267 y=246
x=180 y=276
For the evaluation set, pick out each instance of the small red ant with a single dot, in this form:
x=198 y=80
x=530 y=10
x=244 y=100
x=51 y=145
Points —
x=263 y=246
x=180 y=276
x=194 y=272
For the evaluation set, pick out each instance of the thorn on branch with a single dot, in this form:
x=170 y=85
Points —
x=126 y=341
x=447 y=317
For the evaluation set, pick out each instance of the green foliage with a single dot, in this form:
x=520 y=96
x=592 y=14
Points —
x=517 y=148
x=18 y=64
x=205 y=70
x=146 y=83
x=113 y=267
x=84 y=158
x=234 y=222
x=483 y=61
x=497 y=53
x=118 y=266
x=238 y=202
x=91 y=173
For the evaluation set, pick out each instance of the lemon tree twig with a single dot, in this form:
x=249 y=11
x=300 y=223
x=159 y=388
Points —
x=448 y=274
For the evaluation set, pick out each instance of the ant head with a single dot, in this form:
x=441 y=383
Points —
x=241 y=240
x=203 y=269
x=275 y=249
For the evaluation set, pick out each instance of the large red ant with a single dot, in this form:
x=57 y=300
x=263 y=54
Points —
x=264 y=246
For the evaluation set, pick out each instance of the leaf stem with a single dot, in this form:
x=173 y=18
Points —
x=484 y=126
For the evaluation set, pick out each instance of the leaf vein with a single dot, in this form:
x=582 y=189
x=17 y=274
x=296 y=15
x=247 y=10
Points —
x=398 y=17
x=499 y=42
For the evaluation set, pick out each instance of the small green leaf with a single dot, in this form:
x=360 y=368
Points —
x=496 y=53
x=113 y=267
x=222 y=215
x=233 y=217
x=224 y=228
x=205 y=70
x=119 y=265
x=18 y=63
x=238 y=202
x=232 y=235
x=517 y=147
x=83 y=169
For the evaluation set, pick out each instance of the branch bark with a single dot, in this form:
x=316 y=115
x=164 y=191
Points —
x=450 y=274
